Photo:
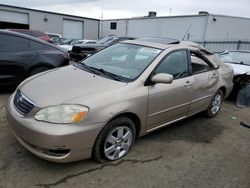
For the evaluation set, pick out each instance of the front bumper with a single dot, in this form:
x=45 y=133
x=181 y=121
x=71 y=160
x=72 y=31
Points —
x=53 y=142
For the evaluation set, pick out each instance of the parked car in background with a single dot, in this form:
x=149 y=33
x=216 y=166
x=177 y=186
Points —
x=75 y=42
x=22 y=56
x=54 y=35
x=107 y=100
x=240 y=61
x=55 y=38
x=81 y=51
x=37 y=34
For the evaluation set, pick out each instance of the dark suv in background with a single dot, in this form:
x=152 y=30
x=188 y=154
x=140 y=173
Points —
x=82 y=51
x=22 y=56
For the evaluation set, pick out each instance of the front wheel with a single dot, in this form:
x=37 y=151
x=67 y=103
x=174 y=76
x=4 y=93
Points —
x=215 y=104
x=115 y=140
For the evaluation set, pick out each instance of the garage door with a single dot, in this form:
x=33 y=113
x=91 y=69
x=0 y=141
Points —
x=73 y=29
x=11 y=19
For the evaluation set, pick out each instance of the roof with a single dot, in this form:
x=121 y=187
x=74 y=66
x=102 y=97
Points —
x=157 y=17
x=147 y=43
x=177 y=16
x=160 y=40
x=30 y=9
x=164 y=43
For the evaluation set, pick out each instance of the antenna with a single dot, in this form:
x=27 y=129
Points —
x=187 y=32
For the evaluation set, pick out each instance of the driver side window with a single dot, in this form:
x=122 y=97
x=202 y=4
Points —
x=175 y=64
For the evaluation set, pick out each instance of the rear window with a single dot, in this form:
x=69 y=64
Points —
x=13 y=43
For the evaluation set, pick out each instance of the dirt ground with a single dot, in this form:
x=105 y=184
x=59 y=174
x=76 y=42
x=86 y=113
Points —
x=196 y=152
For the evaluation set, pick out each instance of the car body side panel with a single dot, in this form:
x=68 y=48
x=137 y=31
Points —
x=13 y=66
x=225 y=73
x=168 y=102
x=110 y=104
x=51 y=58
x=204 y=85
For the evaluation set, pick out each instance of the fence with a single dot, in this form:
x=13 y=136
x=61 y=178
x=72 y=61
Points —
x=220 y=46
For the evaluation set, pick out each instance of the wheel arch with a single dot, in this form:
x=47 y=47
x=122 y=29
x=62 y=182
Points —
x=135 y=118
x=224 y=91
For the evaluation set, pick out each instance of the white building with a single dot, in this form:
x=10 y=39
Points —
x=215 y=32
x=67 y=25
x=201 y=27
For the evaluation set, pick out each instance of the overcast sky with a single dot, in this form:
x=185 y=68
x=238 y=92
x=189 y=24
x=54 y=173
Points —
x=109 y=9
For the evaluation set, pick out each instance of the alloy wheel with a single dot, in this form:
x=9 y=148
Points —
x=118 y=143
x=216 y=104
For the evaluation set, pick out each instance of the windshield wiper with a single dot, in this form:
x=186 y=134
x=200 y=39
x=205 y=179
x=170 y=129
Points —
x=106 y=73
x=98 y=71
x=86 y=67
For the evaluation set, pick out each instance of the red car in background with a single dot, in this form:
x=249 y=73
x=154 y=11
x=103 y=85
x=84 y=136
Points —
x=38 y=34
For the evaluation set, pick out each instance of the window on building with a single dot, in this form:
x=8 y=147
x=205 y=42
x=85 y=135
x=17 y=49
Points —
x=113 y=25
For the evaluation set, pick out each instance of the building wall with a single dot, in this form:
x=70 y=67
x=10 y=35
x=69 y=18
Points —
x=54 y=22
x=227 y=28
x=202 y=27
x=120 y=30
x=173 y=27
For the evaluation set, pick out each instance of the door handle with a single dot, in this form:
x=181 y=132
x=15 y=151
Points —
x=187 y=84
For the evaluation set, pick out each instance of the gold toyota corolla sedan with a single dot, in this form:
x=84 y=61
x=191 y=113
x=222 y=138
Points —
x=96 y=108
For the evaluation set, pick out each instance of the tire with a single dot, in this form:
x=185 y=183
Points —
x=38 y=70
x=111 y=145
x=215 y=104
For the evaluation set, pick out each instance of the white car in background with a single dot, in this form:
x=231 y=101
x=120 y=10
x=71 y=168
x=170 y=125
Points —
x=69 y=47
x=240 y=61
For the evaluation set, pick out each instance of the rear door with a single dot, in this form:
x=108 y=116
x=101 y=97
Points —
x=170 y=102
x=15 y=57
x=205 y=78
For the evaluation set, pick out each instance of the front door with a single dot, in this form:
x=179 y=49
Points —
x=205 y=79
x=169 y=102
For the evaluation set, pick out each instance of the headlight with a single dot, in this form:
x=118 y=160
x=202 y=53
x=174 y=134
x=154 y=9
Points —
x=62 y=114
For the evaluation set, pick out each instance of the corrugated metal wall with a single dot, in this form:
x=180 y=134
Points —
x=222 y=45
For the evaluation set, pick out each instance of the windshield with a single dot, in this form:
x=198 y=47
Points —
x=236 y=57
x=126 y=61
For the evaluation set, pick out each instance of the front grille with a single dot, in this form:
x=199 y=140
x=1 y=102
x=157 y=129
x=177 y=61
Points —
x=22 y=104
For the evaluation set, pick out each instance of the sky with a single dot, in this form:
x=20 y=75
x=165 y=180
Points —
x=111 y=9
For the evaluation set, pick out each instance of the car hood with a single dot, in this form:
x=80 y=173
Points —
x=66 y=47
x=240 y=69
x=65 y=84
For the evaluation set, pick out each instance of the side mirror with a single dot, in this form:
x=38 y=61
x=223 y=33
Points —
x=162 y=78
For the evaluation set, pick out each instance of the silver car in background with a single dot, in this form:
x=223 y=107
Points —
x=98 y=107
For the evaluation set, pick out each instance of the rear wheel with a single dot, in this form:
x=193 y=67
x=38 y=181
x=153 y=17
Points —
x=115 y=140
x=215 y=104
x=38 y=70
